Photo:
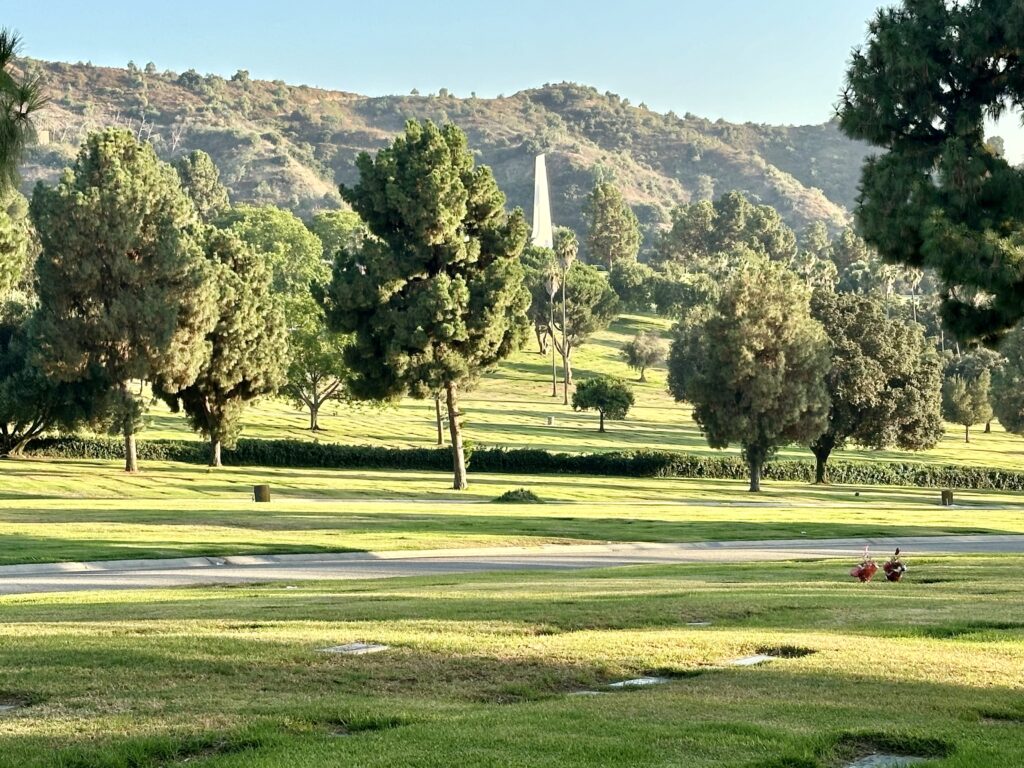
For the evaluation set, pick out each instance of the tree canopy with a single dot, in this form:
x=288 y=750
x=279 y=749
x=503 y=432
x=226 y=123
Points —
x=937 y=195
x=884 y=382
x=437 y=294
x=613 y=233
x=125 y=292
x=753 y=365
x=610 y=397
x=200 y=179
x=248 y=348
x=20 y=100
x=644 y=350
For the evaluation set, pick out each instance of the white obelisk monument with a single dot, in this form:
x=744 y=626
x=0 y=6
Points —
x=543 y=236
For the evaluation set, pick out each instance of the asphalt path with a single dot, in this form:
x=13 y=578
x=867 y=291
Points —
x=199 y=571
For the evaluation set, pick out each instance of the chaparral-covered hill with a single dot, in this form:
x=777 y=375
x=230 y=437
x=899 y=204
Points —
x=292 y=145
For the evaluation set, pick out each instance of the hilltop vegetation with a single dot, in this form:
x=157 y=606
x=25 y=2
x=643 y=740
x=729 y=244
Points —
x=292 y=145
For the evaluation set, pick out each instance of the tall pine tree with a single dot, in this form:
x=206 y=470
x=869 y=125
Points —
x=124 y=290
x=437 y=293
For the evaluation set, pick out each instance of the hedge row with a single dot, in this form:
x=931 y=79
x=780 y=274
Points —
x=305 y=454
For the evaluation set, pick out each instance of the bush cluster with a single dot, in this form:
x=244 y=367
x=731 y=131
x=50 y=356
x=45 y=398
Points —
x=527 y=461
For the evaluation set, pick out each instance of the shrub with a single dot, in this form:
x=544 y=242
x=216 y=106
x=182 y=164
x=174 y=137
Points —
x=531 y=461
x=519 y=496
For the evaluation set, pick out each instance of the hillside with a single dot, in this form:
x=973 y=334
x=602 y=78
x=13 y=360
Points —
x=292 y=145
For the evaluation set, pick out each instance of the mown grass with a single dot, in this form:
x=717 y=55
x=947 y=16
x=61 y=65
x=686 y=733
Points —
x=90 y=510
x=482 y=666
x=511 y=404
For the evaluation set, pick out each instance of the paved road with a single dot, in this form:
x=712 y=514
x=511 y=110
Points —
x=133 y=574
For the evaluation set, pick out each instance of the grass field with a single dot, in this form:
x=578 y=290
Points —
x=482 y=669
x=90 y=510
x=511 y=405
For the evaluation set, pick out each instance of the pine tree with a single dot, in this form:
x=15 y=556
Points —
x=753 y=365
x=124 y=290
x=614 y=231
x=200 y=179
x=437 y=294
x=248 y=346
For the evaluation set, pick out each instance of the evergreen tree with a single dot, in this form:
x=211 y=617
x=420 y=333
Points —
x=437 y=294
x=200 y=179
x=17 y=244
x=705 y=236
x=884 y=383
x=1008 y=383
x=610 y=397
x=966 y=401
x=248 y=346
x=643 y=351
x=124 y=290
x=753 y=365
x=338 y=231
x=614 y=231
x=19 y=103
x=935 y=195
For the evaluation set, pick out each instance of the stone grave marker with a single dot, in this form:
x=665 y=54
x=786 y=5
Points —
x=356 y=649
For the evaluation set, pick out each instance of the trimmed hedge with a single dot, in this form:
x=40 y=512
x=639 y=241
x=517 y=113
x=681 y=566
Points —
x=527 y=461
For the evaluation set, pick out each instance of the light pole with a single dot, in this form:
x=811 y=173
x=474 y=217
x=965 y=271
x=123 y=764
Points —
x=551 y=285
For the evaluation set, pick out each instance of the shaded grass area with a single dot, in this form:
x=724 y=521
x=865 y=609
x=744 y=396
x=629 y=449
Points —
x=481 y=667
x=91 y=510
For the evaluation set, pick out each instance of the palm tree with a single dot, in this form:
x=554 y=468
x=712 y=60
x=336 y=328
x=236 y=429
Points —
x=19 y=101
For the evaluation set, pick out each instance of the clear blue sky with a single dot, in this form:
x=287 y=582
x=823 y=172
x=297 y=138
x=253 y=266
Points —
x=778 y=61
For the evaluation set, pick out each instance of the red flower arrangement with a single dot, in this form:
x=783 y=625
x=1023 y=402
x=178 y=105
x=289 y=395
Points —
x=866 y=570
x=894 y=567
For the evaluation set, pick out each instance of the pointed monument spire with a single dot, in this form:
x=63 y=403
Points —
x=543 y=236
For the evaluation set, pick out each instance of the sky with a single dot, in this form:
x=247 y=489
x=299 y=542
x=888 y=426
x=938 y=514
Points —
x=762 y=61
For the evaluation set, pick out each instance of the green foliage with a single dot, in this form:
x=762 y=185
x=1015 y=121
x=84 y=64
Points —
x=541 y=273
x=200 y=179
x=1008 y=383
x=753 y=366
x=884 y=382
x=966 y=401
x=437 y=294
x=610 y=397
x=124 y=291
x=528 y=461
x=644 y=351
x=633 y=282
x=519 y=496
x=613 y=234
x=676 y=290
x=936 y=196
x=338 y=231
x=20 y=101
x=295 y=254
x=248 y=345
x=16 y=241
x=707 y=236
x=590 y=306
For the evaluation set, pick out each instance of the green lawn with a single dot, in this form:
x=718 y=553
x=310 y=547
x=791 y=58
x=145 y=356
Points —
x=482 y=668
x=91 y=510
x=511 y=405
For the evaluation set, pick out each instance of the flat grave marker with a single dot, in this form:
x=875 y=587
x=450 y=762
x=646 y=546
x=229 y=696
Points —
x=356 y=649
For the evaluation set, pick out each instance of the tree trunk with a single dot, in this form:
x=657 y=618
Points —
x=458 y=453
x=601 y=427
x=554 y=365
x=131 y=458
x=438 y=419
x=643 y=375
x=988 y=427
x=566 y=375
x=215 y=452
x=314 y=416
x=822 y=449
x=542 y=339
x=755 y=475
x=967 y=433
